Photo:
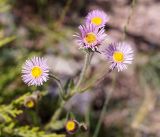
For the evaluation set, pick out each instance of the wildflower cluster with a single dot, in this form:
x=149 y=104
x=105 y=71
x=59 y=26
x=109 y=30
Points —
x=91 y=36
x=92 y=33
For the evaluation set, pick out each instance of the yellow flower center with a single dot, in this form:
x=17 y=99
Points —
x=96 y=20
x=90 y=38
x=36 y=72
x=71 y=125
x=30 y=104
x=118 y=56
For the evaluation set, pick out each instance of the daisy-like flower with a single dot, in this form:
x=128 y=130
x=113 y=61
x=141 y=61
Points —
x=97 y=17
x=119 y=55
x=35 y=71
x=90 y=36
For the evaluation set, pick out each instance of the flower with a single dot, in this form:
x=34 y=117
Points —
x=71 y=126
x=90 y=36
x=97 y=17
x=119 y=55
x=35 y=71
x=29 y=102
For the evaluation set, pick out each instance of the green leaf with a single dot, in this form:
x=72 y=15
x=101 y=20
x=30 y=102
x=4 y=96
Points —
x=58 y=124
x=69 y=85
x=7 y=40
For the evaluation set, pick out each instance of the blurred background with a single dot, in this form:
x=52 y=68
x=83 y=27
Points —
x=46 y=27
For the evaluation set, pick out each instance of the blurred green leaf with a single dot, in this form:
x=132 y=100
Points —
x=26 y=131
x=58 y=124
x=69 y=85
x=7 y=40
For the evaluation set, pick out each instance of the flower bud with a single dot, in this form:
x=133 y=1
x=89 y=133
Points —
x=71 y=126
x=32 y=100
x=29 y=102
x=83 y=127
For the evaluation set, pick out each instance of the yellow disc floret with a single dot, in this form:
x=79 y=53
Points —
x=90 y=38
x=36 y=72
x=96 y=20
x=118 y=56
x=70 y=125
x=29 y=102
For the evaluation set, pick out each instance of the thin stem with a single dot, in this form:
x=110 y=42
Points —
x=66 y=8
x=87 y=119
x=104 y=110
x=58 y=112
x=56 y=115
x=63 y=14
x=129 y=18
x=95 y=83
x=57 y=80
x=86 y=63
x=60 y=109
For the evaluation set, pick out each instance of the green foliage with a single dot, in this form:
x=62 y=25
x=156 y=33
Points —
x=6 y=40
x=9 y=126
x=9 y=112
x=69 y=85
x=26 y=131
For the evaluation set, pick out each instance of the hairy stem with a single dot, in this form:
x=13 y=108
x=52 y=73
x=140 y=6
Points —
x=95 y=83
x=56 y=115
x=61 y=89
x=86 y=63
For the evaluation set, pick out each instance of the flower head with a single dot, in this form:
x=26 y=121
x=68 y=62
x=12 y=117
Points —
x=90 y=36
x=32 y=100
x=29 y=102
x=71 y=126
x=119 y=55
x=97 y=17
x=35 y=71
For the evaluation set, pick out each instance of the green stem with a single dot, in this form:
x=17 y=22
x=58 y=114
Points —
x=58 y=112
x=95 y=83
x=61 y=89
x=65 y=10
x=86 y=63
x=103 y=110
x=129 y=18
x=56 y=115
